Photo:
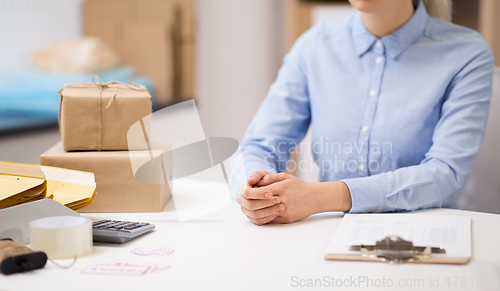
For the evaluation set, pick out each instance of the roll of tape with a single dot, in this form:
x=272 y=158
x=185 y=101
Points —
x=61 y=237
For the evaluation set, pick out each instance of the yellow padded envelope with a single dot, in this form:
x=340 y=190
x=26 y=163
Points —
x=75 y=189
x=21 y=183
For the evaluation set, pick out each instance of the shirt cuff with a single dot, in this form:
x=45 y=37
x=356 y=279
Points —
x=366 y=195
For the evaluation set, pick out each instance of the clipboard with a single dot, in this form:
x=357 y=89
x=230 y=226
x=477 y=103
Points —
x=393 y=249
x=402 y=238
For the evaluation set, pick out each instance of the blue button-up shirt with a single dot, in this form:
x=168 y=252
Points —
x=398 y=119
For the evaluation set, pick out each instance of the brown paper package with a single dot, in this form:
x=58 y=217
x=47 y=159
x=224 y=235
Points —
x=117 y=189
x=84 y=127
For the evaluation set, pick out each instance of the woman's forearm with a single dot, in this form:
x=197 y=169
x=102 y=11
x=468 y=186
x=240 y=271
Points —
x=332 y=196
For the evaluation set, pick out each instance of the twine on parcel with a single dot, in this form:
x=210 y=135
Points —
x=96 y=83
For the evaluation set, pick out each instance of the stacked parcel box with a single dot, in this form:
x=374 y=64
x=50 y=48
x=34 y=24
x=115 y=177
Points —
x=94 y=121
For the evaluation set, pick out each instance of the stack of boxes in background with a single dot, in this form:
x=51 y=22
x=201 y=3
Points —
x=154 y=36
x=94 y=123
x=300 y=15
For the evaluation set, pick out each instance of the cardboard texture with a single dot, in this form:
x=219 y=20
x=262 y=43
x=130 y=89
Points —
x=149 y=48
x=185 y=24
x=110 y=10
x=141 y=37
x=23 y=183
x=184 y=39
x=157 y=10
x=184 y=52
x=117 y=189
x=297 y=20
x=187 y=71
x=150 y=35
x=84 y=126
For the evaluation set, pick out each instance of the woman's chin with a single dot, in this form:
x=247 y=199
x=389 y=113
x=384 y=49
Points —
x=370 y=6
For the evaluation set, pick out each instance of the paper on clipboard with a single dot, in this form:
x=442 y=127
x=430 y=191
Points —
x=449 y=231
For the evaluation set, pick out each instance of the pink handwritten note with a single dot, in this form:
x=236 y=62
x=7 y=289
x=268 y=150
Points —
x=125 y=268
x=152 y=251
x=116 y=270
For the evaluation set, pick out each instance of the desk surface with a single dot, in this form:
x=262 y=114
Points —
x=224 y=251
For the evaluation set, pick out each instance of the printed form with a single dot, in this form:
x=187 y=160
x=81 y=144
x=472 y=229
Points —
x=451 y=232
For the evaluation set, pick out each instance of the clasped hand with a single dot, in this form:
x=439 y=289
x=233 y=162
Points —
x=284 y=198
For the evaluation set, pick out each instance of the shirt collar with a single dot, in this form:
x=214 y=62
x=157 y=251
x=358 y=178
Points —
x=396 y=42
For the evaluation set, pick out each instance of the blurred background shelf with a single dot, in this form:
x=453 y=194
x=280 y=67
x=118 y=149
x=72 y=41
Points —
x=12 y=122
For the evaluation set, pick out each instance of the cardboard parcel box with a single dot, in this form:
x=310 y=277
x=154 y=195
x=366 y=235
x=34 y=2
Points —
x=117 y=189
x=95 y=120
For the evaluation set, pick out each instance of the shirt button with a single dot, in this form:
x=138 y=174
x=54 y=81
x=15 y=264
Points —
x=361 y=167
x=378 y=60
x=364 y=129
x=372 y=93
x=378 y=44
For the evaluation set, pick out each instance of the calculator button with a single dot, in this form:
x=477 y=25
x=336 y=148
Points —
x=100 y=222
x=117 y=231
x=110 y=225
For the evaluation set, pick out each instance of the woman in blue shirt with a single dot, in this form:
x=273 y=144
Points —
x=397 y=101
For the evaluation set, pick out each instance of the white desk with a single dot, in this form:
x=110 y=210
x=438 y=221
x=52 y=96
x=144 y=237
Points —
x=224 y=251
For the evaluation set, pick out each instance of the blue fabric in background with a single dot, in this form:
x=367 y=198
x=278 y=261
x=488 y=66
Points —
x=37 y=91
x=31 y=93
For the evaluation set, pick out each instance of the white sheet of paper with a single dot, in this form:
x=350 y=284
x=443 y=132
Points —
x=449 y=231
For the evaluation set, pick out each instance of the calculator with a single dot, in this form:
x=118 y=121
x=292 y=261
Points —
x=116 y=231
